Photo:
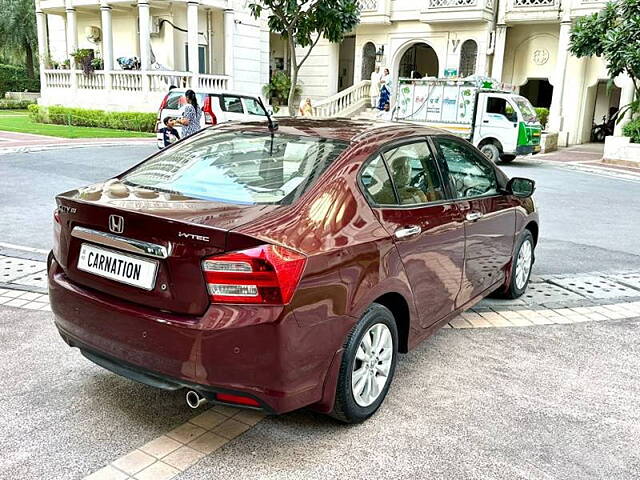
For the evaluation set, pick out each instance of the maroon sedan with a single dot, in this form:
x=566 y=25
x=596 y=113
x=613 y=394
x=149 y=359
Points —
x=277 y=269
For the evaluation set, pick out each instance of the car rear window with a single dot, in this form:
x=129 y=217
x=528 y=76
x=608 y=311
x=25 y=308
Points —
x=177 y=100
x=238 y=167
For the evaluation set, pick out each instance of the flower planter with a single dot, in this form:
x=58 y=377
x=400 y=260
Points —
x=620 y=151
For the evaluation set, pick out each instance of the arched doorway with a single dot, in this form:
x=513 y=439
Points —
x=368 y=60
x=419 y=60
x=539 y=92
x=468 y=56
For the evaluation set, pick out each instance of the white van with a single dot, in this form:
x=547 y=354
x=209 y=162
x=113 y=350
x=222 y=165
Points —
x=217 y=107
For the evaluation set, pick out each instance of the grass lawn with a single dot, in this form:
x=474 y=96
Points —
x=19 y=121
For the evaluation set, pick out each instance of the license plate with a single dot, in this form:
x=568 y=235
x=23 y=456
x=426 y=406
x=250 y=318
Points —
x=536 y=148
x=123 y=268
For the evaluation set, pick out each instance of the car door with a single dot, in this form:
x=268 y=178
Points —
x=489 y=216
x=254 y=109
x=498 y=119
x=408 y=195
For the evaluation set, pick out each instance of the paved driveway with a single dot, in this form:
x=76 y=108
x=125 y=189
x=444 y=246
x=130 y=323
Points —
x=540 y=402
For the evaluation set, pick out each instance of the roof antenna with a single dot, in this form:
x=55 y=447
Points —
x=273 y=126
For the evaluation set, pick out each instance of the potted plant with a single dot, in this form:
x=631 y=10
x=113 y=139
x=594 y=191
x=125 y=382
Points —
x=84 y=58
x=277 y=90
x=97 y=63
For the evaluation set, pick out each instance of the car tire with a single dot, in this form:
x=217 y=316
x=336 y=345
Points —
x=358 y=399
x=521 y=266
x=507 y=158
x=490 y=151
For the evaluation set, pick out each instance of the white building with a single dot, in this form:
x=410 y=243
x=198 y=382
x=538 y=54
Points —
x=522 y=42
x=194 y=43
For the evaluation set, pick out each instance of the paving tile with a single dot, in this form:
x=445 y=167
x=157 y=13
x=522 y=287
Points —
x=250 y=417
x=5 y=300
x=208 y=419
x=16 y=302
x=231 y=429
x=13 y=293
x=224 y=410
x=511 y=315
x=540 y=320
x=158 y=471
x=34 y=305
x=475 y=320
x=446 y=325
x=133 y=462
x=47 y=307
x=161 y=446
x=183 y=458
x=186 y=432
x=520 y=321
x=107 y=473
x=498 y=320
x=208 y=442
x=460 y=322
x=596 y=316
x=30 y=295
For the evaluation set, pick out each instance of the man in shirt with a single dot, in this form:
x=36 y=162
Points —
x=169 y=133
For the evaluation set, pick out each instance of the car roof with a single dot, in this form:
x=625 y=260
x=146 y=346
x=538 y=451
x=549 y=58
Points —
x=343 y=129
x=212 y=92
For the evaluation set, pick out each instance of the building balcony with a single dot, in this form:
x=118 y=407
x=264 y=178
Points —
x=528 y=11
x=375 y=11
x=444 y=11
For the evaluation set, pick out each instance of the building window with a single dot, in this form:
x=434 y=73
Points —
x=368 y=60
x=468 y=55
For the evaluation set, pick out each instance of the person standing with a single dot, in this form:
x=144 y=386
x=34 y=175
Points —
x=192 y=114
x=374 y=89
x=385 y=89
x=306 y=109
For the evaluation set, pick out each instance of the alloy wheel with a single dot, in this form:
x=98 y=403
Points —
x=523 y=263
x=372 y=364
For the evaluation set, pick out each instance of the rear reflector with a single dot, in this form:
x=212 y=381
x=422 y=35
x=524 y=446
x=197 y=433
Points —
x=228 y=398
x=268 y=274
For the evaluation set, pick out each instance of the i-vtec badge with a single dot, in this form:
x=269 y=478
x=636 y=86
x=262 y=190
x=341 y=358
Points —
x=193 y=236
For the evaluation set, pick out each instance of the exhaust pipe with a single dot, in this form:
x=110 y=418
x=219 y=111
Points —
x=194 y=399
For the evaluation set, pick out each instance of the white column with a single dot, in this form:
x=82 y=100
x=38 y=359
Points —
x=229 y=28
x=145 y=35
x=107 y=43
x=72 y=40
x=555 y=112
x=626 y=97
x=43 y=47
x=192 y=40
x=498 y=52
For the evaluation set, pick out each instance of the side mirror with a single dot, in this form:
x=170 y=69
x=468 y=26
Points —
x=520 y=187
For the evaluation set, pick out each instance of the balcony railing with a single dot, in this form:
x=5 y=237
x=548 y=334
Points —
x=444 y=11
x=132 y=80
x=534 y=3
x=368 y=5
x=452 y=3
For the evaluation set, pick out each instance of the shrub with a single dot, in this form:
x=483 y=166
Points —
x=81 y=117
x=14 y=79
x=632 y=129
x=10 y=104
x=543 y=115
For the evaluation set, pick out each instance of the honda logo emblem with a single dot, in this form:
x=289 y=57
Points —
x=116 y=223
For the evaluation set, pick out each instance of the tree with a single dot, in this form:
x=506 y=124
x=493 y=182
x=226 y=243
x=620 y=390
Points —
x=612 y=33
x=302 y=23
x=18 y=31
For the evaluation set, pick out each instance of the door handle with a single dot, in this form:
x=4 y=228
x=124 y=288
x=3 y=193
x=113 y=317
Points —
x=407 y=232
x=485 y=121
x=473 y=216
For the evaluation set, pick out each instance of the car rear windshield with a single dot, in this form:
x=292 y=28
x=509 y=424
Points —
x=238 y=167
x=177 y=100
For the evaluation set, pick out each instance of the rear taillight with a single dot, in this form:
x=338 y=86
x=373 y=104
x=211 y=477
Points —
x=237 y=399
x=268 y=274
x=209 y=117
x=162 y=107
x=56 y=216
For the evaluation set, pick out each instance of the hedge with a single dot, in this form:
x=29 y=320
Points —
x=81 y=117
x=632 y=129
x=543 y=115
x=10 y=104
x=14 y=79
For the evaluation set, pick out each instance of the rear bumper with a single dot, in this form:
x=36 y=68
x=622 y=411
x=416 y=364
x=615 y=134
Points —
x=527 y=149
x=257 y=351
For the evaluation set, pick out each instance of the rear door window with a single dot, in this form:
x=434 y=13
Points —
x=177 y=100
x=231 y=104
x=238 y=167
x=377 y=183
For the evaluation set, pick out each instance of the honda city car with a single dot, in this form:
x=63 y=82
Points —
x=278 y=268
